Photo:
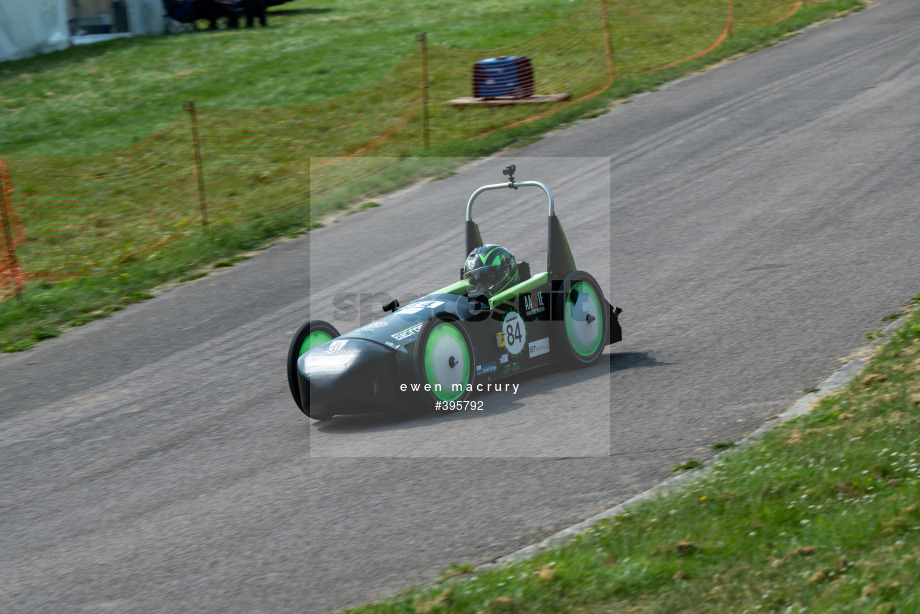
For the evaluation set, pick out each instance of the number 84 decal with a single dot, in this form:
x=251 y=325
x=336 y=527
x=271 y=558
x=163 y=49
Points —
x=514 y=333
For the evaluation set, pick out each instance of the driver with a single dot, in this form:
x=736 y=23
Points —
x=490 y=269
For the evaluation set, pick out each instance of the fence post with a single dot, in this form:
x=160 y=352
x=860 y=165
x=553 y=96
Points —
x=6 y=189
x=608 y=38
x=423 y=39
x=199 y=170
x=731 y=18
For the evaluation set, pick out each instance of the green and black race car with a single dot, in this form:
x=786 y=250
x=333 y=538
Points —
x=498 y=320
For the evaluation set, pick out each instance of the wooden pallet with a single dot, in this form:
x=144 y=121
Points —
x=504 y=101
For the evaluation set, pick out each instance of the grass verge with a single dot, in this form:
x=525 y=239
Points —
x=821 y=515
x=44 y=310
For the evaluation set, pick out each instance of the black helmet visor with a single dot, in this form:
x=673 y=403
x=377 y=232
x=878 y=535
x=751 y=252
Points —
x=483 y=278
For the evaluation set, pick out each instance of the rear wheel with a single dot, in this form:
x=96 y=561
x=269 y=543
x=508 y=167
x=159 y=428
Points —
x=310 y=335
x=444 y=360
x=585 y=320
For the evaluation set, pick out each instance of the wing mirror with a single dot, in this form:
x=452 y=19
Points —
x=392 y=305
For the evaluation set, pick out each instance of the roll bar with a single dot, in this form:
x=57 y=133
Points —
x=559 y=259
x=511 y=184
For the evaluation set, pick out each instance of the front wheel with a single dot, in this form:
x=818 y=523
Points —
x=444 y=360
x=585 y=320
x=307 y=337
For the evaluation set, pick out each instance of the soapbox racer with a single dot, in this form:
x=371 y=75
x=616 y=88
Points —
x=453 y=342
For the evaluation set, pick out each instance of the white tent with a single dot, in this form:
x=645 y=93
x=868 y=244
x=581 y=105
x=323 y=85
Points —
x=146 y=16
x=31 y=27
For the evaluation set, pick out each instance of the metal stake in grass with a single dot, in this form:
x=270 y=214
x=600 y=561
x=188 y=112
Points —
x=422 y=37
x=199 y=170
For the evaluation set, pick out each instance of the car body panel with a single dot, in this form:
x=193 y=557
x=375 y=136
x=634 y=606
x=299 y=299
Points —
x=372 y=367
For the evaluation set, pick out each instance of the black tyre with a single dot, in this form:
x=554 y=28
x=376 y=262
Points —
x=444 y=360
x=583 y=321
x=311 y=334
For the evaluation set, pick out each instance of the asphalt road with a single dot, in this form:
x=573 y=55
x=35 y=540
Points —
x=754 y=222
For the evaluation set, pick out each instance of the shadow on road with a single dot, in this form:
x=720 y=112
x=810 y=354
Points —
x=632 y=360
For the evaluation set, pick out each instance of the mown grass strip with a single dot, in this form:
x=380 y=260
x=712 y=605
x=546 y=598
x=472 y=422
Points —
x=92 y=99
x=820 y=515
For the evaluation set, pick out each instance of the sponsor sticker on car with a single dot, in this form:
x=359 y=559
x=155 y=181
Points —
x=367 y=328
x=337 y=345
x=503 y=359
x=489 y=367
x=419 y=306
x=538 y=347
x=407 y=332
x=533 y=304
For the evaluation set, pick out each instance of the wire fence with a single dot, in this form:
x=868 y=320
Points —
x=66 y=218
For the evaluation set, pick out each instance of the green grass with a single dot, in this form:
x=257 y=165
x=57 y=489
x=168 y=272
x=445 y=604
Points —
x=94 y=99
x=229 y=262
x=821 y=515
x=49 y=306
x=687 y=465
x=91 y=99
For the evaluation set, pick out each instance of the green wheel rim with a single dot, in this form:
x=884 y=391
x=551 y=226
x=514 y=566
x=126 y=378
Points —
x=314 y=339
x=584 y=337
x=443 y=343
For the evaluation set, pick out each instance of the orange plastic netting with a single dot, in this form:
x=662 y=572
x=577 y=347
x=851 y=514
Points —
x=66 y=218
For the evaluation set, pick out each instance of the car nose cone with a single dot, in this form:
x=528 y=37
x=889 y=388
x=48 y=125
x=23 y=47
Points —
x=347 y=376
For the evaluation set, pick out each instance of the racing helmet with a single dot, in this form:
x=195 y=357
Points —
x=489 y=269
